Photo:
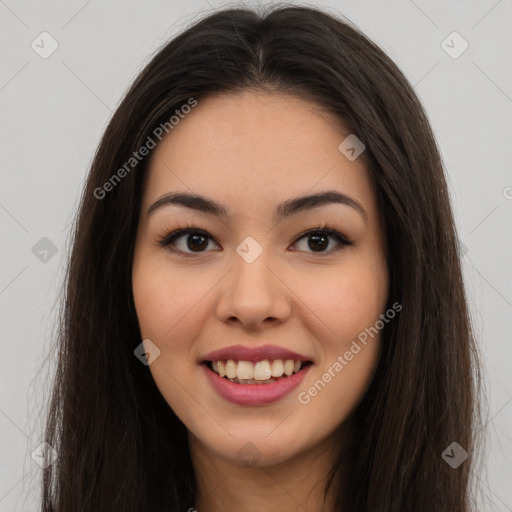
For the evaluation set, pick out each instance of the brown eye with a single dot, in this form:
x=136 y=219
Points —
x=196 y=241
x=318 y=242
x=318 y=239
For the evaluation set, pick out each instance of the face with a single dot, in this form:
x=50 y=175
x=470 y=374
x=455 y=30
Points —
x=254 y=282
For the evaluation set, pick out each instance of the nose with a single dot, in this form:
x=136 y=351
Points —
x=253 y=294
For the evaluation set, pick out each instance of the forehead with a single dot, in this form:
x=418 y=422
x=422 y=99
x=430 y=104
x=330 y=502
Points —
x=254 y=148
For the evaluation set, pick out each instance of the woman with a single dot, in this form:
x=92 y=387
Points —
x=264 y=306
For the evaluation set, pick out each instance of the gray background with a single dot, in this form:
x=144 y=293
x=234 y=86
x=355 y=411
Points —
x=54 y=110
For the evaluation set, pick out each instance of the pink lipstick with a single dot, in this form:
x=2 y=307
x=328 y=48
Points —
x=264 y=388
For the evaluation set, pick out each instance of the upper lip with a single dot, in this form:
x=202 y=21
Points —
x=254 y=354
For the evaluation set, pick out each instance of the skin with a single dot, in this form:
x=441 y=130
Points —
x=250 y=151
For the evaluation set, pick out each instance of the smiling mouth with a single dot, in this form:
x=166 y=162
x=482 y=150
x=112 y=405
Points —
x=260 y=372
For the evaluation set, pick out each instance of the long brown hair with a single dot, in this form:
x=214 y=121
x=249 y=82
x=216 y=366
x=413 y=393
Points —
x=119 y=444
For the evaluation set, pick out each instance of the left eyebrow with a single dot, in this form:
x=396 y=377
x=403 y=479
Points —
x=285 y=209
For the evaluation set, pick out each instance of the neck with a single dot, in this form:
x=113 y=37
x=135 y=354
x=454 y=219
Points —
x=296 y=484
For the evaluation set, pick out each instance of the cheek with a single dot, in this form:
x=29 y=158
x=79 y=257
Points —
x=344 y=301
x=171 y=307
x=340 y=385
x=166 y=304
x=164 y=297
x=348 y=304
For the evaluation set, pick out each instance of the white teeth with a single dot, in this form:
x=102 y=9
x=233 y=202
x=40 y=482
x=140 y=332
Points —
x=277 y=368
x=288 y=366
x=219 y=367
x=262 y=370
x=247 y=372
x=231 y=369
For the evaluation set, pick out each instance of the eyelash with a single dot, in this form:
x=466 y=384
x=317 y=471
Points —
x=322 y=230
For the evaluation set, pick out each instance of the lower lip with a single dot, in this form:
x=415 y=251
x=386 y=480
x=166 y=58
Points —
x=254 y=394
